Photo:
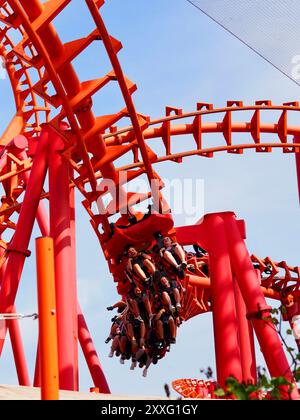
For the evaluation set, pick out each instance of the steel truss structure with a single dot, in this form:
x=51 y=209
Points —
x=55 y=132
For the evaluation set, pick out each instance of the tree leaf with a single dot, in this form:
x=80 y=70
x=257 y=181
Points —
x=220 y=392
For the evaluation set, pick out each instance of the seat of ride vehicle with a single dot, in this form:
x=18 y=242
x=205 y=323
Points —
x=140 y=235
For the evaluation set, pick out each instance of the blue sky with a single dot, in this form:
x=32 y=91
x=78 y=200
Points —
x=177 y=57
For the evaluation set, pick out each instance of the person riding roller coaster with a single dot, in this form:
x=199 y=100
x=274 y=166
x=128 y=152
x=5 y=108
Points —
x=165 y=328
x=138 y=295
x=138 y=300
x=151 y=354
x=200 y=252
x=116 y=333
x=127 y=334
x=119 y=305
x=140 y=264
x=125 y=222
x=149 y=286
x=172 y=253
x=135 y=332
x=167 y=291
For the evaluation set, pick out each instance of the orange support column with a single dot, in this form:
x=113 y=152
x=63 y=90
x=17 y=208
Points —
x=73 y=270
x=48 y=352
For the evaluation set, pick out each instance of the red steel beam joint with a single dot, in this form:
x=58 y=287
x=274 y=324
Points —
x=60 y=225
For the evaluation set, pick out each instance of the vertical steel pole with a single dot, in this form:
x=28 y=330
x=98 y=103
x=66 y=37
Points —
x=37 y=372
x=19 y=145
x=73 y=270
x=60 y=224
x=246 y=339
x=20 y=242
x=19 y=354
x=228 y=358
x=90 y=355
x=254 y=299
x=16 y=341
x=47 y=319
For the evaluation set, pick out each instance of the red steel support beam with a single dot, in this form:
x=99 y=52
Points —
x=246 y=339
x=106 y=39
x=44 y=225
x=60 y=224
x=85 y=339
x=19 y=145
x=257 y=307
x=228 y=357
x=20 y=242
x=16 y=341
x=209 y=237
x=90 y=355
x=37 y=373
x=18 y=351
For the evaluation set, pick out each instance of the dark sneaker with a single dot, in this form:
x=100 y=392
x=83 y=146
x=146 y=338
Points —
x=184 y=266
x=157 y=276
x=180 y=273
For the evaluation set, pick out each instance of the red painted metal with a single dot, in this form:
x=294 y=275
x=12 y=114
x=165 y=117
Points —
x=18 y=351
x=48 y=346
x=18 y=249
x=231 y=233
x=89 y=151
x=246 y=339
x=258 y=310
x=90 y=354
x=228 y=356
x=60 y=231
x=37 y=372
x=16 y=341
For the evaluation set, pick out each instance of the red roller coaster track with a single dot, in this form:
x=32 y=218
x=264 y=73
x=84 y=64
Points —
x=55 y=130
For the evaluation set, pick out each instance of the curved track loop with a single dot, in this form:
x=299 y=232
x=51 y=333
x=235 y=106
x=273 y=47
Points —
x=227 y=133
x=279 y=277
x=48 y=89
x=29 y=111
x=41 y=50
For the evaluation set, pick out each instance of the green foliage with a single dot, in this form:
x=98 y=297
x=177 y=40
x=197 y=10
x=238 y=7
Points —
x=297 y=374
x=220 y=393
x=266 y=389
